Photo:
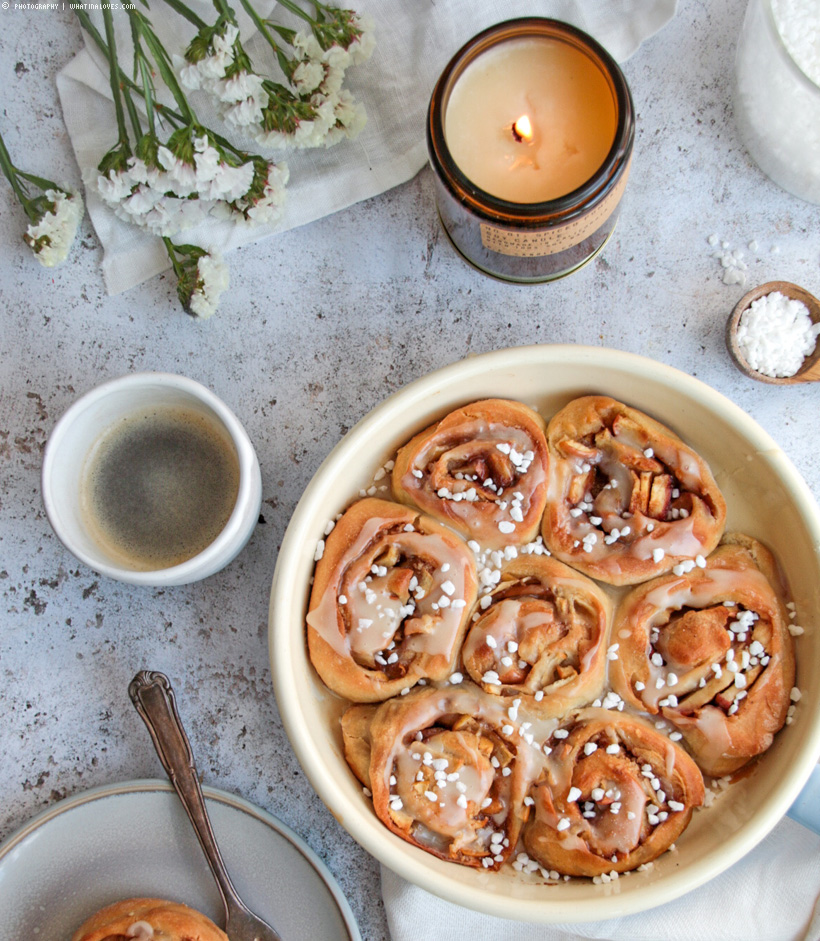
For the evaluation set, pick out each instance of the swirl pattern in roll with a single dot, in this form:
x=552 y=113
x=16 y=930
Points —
x=541 y=634
x=449 y=772
x=628 y=499
x=482 y=469
x=143 y=919
x=710 y=650
x=616 y=794
x=391 y=597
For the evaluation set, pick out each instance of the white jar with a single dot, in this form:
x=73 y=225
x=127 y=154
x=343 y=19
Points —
x=777 y=92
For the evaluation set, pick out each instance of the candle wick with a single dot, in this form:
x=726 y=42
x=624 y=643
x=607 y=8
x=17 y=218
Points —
x=522 y=130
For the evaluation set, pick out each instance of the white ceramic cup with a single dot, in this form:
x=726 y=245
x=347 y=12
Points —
x=73 y=438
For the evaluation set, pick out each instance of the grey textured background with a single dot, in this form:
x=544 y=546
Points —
x=319 y=326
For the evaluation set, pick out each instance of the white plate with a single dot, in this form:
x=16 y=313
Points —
x=766 y=498
x=134 y=839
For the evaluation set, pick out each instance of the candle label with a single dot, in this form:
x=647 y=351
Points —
x=539 y=242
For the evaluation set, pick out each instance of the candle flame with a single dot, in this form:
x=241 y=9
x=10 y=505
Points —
x=522 y=129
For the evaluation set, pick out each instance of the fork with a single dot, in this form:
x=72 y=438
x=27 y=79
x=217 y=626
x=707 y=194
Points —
x=154 y=700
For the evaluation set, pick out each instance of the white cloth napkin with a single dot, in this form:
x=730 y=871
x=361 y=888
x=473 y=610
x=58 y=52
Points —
x=415 y=40
x=772 y=894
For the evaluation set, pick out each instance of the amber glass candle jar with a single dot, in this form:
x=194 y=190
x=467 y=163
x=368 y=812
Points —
x=530 y=132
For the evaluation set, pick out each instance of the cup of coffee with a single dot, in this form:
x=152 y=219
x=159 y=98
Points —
x=151 y=479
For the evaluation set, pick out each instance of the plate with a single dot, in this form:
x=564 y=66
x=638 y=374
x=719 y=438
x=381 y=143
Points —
x=766 y=498
x=134 y=839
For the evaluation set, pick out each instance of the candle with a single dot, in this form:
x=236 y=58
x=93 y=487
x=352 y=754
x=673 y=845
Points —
x=531 y=120
x=530 y=134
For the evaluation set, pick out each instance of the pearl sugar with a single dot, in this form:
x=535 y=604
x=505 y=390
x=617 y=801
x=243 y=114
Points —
x=775 y=335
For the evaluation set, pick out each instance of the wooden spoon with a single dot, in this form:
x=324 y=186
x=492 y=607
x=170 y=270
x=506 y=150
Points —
x=809 y=371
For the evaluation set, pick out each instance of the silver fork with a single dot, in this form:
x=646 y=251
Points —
x=154 y=700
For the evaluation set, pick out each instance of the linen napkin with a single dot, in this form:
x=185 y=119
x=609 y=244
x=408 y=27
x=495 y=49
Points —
x=414 y=41
x=772 y=894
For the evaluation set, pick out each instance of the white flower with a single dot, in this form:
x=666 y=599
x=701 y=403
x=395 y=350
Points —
x=179 y=177
x=223 y=42
x=141 y=201
x=268 y=209
x=246 y=113
x=307 y=47
x=234 y=182
x=216 y=179
x=337 y=57
x=263 y=205
x=161 y=214
x=308 y=76
x=338 y=117
x=158 y=199
x=52 y=237
x=206 y=157
x=361 y=49
x=333 y=81
x=138 y=170
x=211 y=280
x=350 y=114
x=221 y=181
x=114 y=187
x=172 y=215
x=274 y=140
x=243 y=99
x=240 y=86
x=190 y=76
x=307 y=133
x=203 y=73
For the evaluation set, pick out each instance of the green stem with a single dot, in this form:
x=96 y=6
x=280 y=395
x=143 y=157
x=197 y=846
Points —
x=10 y=173
x=136 y=124
x=321 y=8
x=284 y=63
x=294 y=8
x=40 y=181
x=223 y=9
x=163 y=62
x=179 y=7
x=148 y=94
x=169 y=247
x=114 y=70
x=125 y=81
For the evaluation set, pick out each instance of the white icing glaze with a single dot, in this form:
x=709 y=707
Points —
x=445 y=815
x=708 y=588
x=374 y=615
x=600 y=780
x=711 y=721
x=610 y=507
x=458 y=446
x=452 y=821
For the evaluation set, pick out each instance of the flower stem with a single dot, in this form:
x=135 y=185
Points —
x=148 y=94
x=11 y=174
x=175 y=263
x=284 y=63
x=40 y=181
x=114 y=70
x=145 y=32
x=179 y=7
x=125 y=82
x=295 y=8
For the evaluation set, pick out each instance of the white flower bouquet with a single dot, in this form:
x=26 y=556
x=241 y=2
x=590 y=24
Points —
x=167 y=171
